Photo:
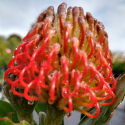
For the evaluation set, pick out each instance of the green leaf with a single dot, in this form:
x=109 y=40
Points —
x=6 y=108
x=7 y=121
x=105 y=113
x=82 y=115
x=41 y=107
x=9 y=115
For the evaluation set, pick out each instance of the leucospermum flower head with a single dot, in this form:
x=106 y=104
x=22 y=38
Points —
x=65 y=61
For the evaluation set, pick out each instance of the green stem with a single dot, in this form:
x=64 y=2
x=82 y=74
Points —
x=42 y=117
x=53 y=116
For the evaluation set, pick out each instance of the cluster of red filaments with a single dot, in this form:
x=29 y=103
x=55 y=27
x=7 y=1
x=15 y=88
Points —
x=65 y=60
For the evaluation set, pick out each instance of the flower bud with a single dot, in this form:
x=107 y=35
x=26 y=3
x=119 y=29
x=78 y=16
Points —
x=65 y=60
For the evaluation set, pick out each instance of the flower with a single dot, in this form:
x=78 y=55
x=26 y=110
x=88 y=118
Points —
x=8 y=50
x=65 y=61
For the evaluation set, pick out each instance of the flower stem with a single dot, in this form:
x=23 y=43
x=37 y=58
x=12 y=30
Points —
x=53 y=116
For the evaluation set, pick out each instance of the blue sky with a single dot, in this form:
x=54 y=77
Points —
x=16 y=16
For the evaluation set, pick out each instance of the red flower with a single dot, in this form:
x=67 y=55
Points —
x=65 y=60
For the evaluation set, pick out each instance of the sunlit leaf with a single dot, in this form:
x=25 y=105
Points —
x=7 y=121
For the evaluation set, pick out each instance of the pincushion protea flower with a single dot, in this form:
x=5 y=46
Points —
x=65 y=61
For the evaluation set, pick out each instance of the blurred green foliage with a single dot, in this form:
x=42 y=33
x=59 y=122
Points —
x=7 y=48
x=118 y=66
x=1 y=74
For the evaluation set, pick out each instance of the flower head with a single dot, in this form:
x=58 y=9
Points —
x=65 y=60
